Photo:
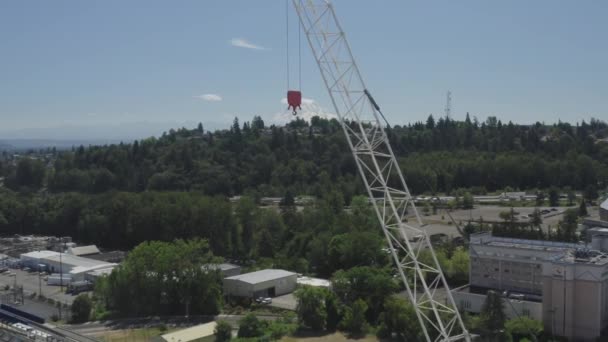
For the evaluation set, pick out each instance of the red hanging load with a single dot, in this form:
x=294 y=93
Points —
x=294 y=100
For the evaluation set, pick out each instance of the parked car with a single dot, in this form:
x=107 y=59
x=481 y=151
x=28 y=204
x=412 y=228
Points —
x=263 y=300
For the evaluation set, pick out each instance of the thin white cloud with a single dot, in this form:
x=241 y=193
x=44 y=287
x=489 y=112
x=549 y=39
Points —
x=209 y=97
x=310 y=108
x=242 y=43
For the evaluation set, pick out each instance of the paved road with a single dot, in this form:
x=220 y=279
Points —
x=100 y=328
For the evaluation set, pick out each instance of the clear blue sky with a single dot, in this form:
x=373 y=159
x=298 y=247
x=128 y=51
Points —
x=114 y=61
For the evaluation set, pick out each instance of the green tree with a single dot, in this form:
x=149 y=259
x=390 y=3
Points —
x=582 y=209
x=493 y=313
x=467 y=201
x=311 y=307
x=400 y=318
x=366 y=283
x=333 y=311
x=540 y=198
x=567 y=226
x=172 y=272
x=590 y=193
x=250 y=326
x=536 y=218
x=459 y=266
x=553 y=197
x=223 y=331
x=81 y=308
x=354 y=320
x=524 y=327
x=571 y=196
x=28 y=174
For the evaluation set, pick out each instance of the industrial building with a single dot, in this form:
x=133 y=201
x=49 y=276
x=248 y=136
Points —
x=83 y=250
x=264 y=283
x=55 y=262
x=565 y=285
x=227 y=270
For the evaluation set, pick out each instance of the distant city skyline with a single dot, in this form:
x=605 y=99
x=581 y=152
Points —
x=119 y=69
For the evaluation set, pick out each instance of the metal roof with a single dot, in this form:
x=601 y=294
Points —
x=604 y=204
x=39 y=254
x=221 y=267
x=75 y=261
x=262 y=276
x=84 y=250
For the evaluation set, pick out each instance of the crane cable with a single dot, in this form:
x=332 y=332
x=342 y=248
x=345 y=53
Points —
x=287 y=48
x=287 y=39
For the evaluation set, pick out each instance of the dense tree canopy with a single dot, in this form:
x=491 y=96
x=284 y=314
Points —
x=161 y=278
x=441 y=155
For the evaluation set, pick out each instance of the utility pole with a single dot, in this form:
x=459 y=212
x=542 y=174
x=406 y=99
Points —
x=39 y=284
x=448 y=105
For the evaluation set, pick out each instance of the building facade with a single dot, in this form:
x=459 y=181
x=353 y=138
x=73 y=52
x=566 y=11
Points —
x=264 y=283
x=575 y=295
x=564 y=285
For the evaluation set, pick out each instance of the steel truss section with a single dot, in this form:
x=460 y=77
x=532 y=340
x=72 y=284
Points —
x=360 y=119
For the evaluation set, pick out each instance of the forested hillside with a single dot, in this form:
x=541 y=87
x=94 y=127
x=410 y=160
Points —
x=251 y=158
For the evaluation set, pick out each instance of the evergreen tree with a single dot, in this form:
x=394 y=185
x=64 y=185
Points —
x=492 y=312
x=582 y=209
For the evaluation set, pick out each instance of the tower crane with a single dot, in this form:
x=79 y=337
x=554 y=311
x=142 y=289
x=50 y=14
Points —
x=364 y=127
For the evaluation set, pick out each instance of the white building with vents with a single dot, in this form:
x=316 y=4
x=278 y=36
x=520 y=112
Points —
x=77 y=267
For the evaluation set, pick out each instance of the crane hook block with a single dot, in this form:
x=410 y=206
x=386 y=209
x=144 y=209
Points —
x=294 y=100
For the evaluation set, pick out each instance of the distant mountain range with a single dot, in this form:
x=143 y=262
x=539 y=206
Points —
x=66 y=136
x=25 y=144
x=6 y=146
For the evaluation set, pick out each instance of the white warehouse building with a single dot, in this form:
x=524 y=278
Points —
x=264 y=283
x=56 y=262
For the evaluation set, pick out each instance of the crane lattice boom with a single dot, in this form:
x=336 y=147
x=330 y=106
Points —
x=360 y=119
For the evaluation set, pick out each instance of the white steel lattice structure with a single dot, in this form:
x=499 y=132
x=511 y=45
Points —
x=360 y=117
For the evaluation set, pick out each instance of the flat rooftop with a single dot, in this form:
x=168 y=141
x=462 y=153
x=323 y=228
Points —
x=599 y=259
x=221 y=267
x=262 y=276
x=539 y=245
x=39 y=254
x=76 y=261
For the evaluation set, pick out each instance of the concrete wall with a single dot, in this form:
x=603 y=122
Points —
x=472 y=302
x=524 y=276
x=574 y=307
x=282 y=285
x=237 y=288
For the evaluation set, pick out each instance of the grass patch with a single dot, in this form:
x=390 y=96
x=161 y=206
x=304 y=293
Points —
x=133 y=335
x=330 y=337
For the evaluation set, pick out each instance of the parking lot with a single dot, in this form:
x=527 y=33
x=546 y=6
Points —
x=441 y=223
x=287 y=302
x=33 y=284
